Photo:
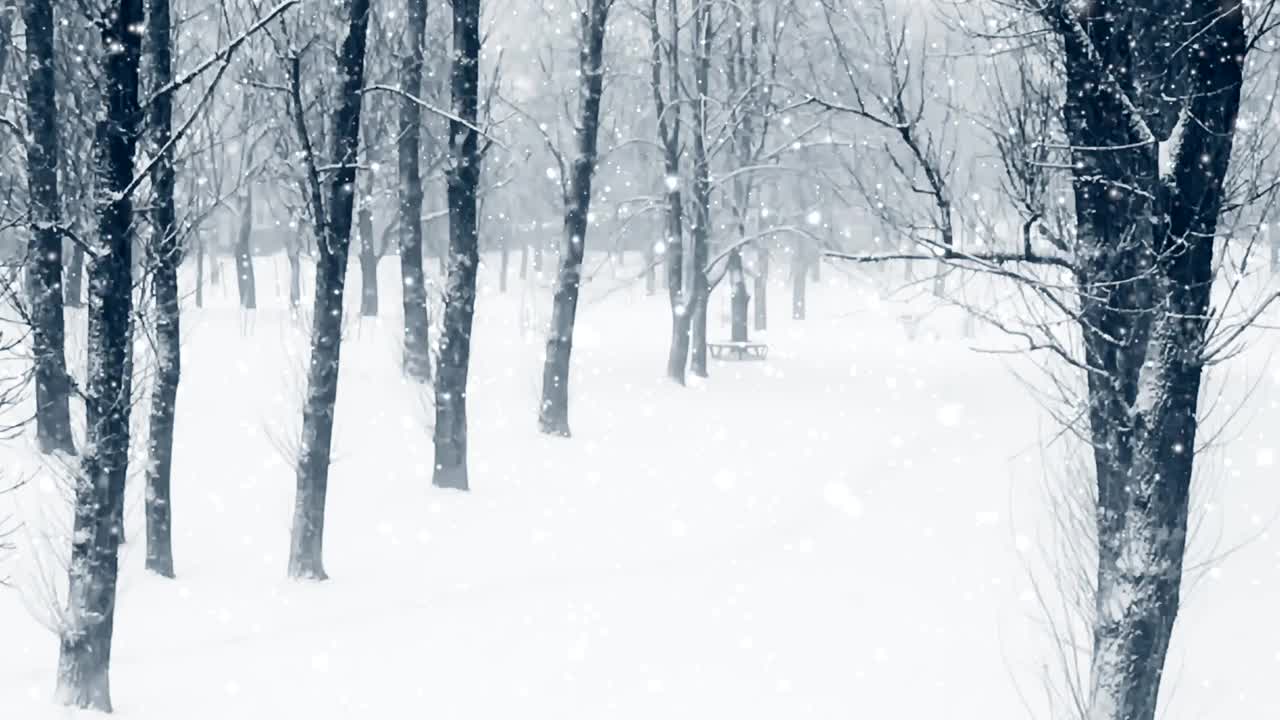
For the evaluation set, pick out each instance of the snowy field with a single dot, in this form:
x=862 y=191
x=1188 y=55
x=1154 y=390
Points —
x=843 y=531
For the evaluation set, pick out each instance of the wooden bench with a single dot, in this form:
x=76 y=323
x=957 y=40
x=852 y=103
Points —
x=738 y=350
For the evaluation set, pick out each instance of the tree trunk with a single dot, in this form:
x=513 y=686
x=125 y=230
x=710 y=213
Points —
x=1146 y=236
x=416 y=359
x=333 y=238
x=524 y=261
x=553 y=416
x=698 y=331
x=739 y=299
x=762 y=289
x=44 y=250
x=85 y=642
x=245 y=280
x=368 y=264
x=462 y=180
x=668 y=113
x=700 y=292
x=165 y=258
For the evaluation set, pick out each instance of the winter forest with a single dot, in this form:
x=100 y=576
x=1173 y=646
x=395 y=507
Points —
x=639 y=359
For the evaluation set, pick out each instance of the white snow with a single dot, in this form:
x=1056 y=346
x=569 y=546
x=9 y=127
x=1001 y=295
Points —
x=788 y=539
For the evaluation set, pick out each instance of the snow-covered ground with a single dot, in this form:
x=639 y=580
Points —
x=843 y=531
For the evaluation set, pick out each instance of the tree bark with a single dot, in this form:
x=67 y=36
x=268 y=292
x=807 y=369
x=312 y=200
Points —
x=333 y=238
x=165 y=258
x=85 y=642
x=462 y=180
x=553 y=416
x=73 y=290
x=245 y=280
x=417 y=356
x=1146 y=238
x=44 y=250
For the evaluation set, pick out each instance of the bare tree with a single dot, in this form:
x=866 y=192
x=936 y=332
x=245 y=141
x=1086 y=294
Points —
x=85 y=654
x=44 y=254
x=462 y=182
x=165 y=258
x=553 y=413
x=665 y=57
x=417 y=357
x=333 y=240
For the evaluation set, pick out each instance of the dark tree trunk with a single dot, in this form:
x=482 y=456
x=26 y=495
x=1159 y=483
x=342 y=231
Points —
x=85 y=650
x=333 y=238
x=798 y=281
x=462 y=180
x=1146 y=237
x=762 y=289
x=553 y=415
x=73 y=287
x=44 y=250
x=739 y=299
x=417 y=356
x=245 y=280
x=698 y=329
x=165 y=258
x=368 y=264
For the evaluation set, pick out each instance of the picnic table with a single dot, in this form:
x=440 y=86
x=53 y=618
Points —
x=738 y=350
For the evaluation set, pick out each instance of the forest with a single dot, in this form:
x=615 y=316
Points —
x=385 y=358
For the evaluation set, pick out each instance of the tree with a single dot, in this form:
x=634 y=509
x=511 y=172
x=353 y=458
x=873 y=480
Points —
x=166 y=255
x=462 y=179
x=553 y=413
x=44 y=253
x=667 y=107
x=333 y=240
x=417 y=358
x=1150 y=95
x=695 y=273
x=1147 y=211
x=85 y=652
